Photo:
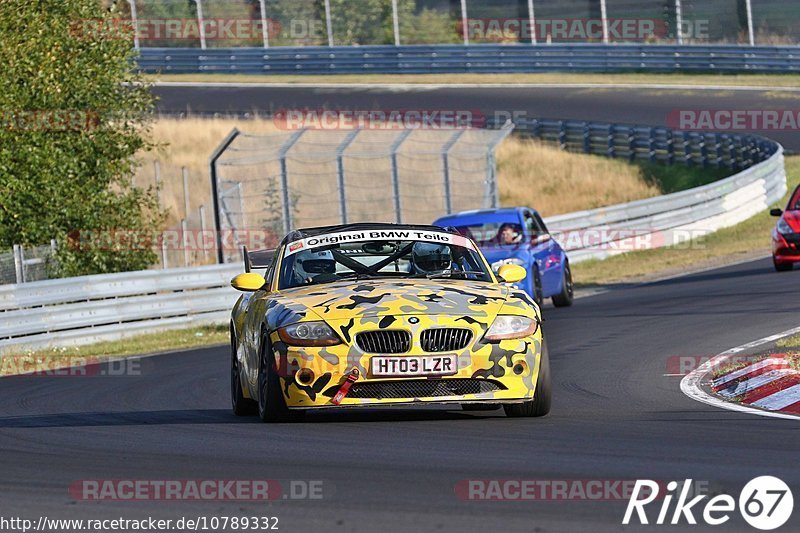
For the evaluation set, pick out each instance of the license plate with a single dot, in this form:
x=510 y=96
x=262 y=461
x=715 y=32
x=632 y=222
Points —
x=435 y=365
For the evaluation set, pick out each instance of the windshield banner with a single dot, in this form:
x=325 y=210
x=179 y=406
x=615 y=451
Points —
x=318 y=241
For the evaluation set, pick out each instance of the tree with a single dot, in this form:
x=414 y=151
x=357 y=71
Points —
x=74 y=115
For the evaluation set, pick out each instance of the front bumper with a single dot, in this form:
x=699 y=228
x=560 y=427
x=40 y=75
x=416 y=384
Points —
x=502 y=372
x=786 y=248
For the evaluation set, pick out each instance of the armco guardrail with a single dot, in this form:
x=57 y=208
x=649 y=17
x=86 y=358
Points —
x=670 y=219
x=421 y=59
x=88 y=309
x=674 y=218
x=93 y=308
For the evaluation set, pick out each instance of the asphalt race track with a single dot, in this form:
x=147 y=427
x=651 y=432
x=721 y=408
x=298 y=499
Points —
x=622 y=105
x=615 y=417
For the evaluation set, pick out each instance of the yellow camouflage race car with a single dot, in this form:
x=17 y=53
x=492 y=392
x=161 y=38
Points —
x=365 y=315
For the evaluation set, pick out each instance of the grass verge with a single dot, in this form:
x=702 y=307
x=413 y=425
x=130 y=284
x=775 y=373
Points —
x=792 y=346
x=549 y=78
x=747 y=239
x=55 y=358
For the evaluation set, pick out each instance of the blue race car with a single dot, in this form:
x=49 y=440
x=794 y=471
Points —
x=519 y=236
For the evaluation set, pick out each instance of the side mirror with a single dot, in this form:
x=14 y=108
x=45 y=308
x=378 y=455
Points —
x=512 y=273
x=248 y=282
x=776 y=212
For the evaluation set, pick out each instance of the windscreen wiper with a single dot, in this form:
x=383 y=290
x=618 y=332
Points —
x=450 y=273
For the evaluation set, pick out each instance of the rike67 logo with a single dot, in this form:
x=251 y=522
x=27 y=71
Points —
x=765 y=503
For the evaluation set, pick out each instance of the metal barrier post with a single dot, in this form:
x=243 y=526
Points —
x=19 y=264
x=398 y=206
x=201 y=23
x=464 y=22
x=587 y=139
x=532 y=21
x=240 y=194
x=604 y=20
x=264 y=23
x=751 y=34
x=185 y=172
x=491 y=171
x=396 y=23
x=287 y=208
x=135 y=23
x=670 y=148
x=631 y=144
x=164 y=263
x=212 y=164
x=184 y=242
x=157 y=168
x=448 y=203
x=679 y=21
x=203 y=231
x=340 y=172
x=329 y=21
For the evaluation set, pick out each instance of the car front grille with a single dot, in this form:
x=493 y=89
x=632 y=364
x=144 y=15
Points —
x=445 y=339
x=793 y=238
x=420 y=388
x=384 y=341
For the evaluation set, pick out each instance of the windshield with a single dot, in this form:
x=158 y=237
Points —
x=380 y=258
x=795 y=201
x=495 y=233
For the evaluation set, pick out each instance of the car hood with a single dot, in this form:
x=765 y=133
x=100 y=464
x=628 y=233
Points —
x=344 y=300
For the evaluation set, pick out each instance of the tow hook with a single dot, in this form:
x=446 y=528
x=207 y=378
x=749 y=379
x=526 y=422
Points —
x=345 y=388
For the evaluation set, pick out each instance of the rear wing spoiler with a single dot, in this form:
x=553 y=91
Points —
x=257 y=259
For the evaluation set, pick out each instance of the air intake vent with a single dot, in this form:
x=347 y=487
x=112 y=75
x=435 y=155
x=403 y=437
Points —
x=419 y=388
x=384 y=341
x=445 y=339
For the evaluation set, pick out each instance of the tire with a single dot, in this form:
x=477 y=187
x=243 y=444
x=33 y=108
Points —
x=538 y=295
x=540 y=405
x=241 y=406
x=565 y=297
x=480 y=406
x=782 y=267
x=271 y=402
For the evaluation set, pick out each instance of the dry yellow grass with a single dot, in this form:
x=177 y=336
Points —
x=554 y=182
x=529 y=172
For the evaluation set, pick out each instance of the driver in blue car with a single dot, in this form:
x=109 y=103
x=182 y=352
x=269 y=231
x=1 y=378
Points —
x=509 y=234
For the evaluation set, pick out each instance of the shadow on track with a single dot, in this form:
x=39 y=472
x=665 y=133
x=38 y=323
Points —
x=224 y=416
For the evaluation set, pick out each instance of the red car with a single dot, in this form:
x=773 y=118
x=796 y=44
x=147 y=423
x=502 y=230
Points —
x=786 y=235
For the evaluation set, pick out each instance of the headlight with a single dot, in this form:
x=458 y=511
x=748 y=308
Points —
x=784 y=228
x=513 y=261
x=511 y=327
x=309 y=334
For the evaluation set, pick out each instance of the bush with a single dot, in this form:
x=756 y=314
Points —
x=73 y=117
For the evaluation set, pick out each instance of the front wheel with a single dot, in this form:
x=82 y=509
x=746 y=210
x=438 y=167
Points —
x=782 y=267
x=540 y=405
x=538 y=293
x=241 y=406
x=271 y=402
x=565 y=297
